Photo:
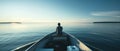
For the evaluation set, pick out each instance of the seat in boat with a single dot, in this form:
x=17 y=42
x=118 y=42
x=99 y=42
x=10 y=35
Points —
x=58 y=43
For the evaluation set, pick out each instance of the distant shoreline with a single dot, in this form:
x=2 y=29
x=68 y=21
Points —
x=10 y=22
x=106 y=22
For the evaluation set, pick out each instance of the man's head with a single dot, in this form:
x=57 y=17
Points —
x=58 y=24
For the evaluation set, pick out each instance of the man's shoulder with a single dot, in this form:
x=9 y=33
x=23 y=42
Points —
x=59 y=27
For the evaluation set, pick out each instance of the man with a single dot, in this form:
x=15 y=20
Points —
x=59 y=29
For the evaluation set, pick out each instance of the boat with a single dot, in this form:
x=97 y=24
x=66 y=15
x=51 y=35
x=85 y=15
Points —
x=55 y=42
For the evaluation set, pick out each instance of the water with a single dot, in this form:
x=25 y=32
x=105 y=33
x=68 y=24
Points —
x=105 y=37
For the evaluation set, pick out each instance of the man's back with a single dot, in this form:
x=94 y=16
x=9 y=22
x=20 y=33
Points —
x=59 y=29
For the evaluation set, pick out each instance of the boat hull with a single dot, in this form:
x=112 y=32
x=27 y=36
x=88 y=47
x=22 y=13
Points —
x=66 y=41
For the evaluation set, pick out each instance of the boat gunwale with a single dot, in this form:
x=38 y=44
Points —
x=77 y=43
x=39 y=41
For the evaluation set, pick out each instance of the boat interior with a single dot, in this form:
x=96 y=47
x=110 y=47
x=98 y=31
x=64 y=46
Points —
x=58 y=43
x=55 y=42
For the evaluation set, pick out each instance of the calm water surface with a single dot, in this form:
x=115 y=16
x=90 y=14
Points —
x=105 y=37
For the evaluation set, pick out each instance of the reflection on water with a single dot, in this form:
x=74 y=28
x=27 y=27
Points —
x=102 y=36
x=18 y=26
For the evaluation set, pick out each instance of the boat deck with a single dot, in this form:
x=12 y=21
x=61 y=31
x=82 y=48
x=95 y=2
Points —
x=58 y=43
x=54 y=42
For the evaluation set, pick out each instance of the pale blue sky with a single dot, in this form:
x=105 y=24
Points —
x=60 y=10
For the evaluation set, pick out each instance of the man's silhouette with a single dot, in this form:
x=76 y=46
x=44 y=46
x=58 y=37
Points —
x=59 y=29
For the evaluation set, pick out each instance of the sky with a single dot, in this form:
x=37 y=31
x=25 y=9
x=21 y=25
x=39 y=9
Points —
x=59 y=10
